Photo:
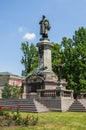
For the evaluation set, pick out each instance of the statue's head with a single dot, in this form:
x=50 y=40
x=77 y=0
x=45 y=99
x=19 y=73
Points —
x=43 y=16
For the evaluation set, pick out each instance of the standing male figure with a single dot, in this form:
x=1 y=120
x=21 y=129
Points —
x=44 y=27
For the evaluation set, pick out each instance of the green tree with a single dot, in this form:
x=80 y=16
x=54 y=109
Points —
x=10 y=91
x=15 y=91
x=6 y=92
x=67 y=61
x=79 y=40
x=29 y=58
x=74 y=60
x=56 y=57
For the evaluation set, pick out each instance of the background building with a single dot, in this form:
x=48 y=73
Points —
x=9 y=78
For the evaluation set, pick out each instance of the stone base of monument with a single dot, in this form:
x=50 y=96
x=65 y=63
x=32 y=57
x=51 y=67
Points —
x=62 y=92
x=56 y=104
x=55 y=96
x=50 y=81
x=55 y=100
x=31 y=95
x=55 y=91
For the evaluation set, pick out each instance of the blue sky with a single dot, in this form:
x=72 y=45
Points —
x=19 y=22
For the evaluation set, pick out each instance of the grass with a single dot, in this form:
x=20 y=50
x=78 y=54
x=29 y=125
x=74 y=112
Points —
x=56 y=121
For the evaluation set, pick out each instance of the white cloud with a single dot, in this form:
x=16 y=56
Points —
x=29 y=36
x=20 y=29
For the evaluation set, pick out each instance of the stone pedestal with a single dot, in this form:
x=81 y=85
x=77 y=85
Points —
x=44 y=55
x=50 y=80
x=45 y=60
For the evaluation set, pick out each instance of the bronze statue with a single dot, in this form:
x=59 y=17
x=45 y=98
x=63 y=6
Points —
x=44 y=27
x=39 y=71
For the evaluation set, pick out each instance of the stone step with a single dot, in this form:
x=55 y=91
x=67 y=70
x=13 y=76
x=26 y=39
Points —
x=25 y=105
x=30 y=105
x=77 y=110
x=40 y=107
x=76 y=106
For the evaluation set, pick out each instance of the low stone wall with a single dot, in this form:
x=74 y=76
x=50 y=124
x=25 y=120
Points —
x=66 y=103
x=52 y=103
x=56 y=104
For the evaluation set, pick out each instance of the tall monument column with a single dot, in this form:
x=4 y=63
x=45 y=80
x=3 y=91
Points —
x=44 y=54
x=44 y=45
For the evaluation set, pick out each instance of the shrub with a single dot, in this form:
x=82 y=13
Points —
x=15 y=118
x=25 y=121
x=33 y=120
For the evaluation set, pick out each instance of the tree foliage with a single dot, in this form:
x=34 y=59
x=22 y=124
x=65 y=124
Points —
x=29 y=58
x=74 y=60
x=10 y=91
x=56 y=56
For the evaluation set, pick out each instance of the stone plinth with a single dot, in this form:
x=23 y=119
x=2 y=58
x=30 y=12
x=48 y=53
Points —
x=50 y=80
x=44 y=55
x=45 y=60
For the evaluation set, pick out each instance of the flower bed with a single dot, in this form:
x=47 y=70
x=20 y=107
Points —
x=10 y=118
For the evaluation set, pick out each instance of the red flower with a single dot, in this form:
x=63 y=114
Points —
x=10 y=107
x=19 y=105
x=1 y=107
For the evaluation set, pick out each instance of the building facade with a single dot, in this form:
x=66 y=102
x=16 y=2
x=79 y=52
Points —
x=9 y=78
